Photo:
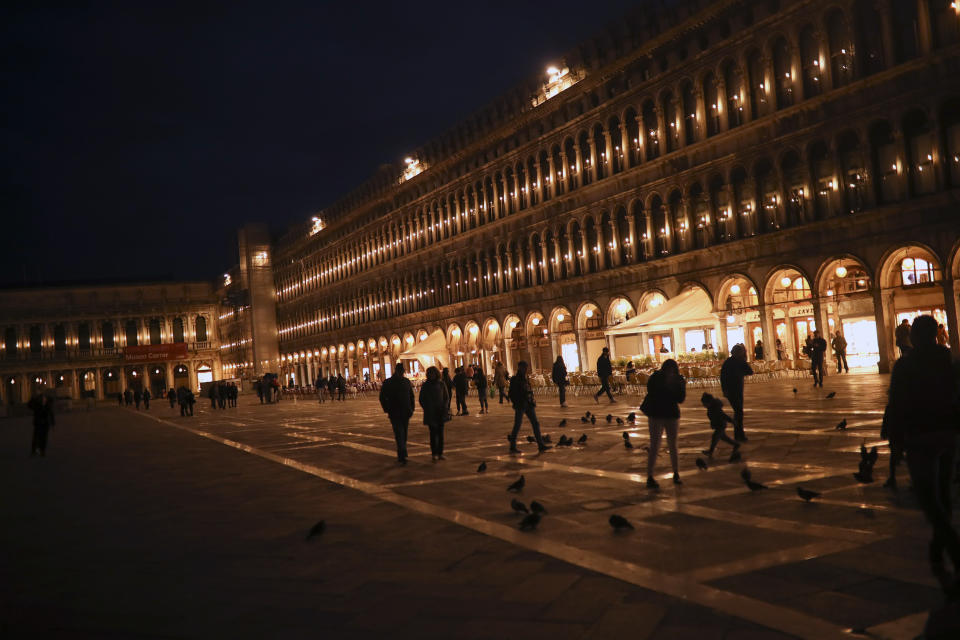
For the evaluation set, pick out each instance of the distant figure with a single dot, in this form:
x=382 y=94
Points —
x=942 y=337
x=666 y=389
x=435 y=402
x=903 y=337
x=43 y=419
x=341 y=387
x=630 y=371
x=223 y=391
x=128 y=397
x=214 y=393
x=137 y=398
x=818 y=351
x=120 y=397
x=234 y=394
x=559 y=377
x=500 y=379
x=758 y=350
x=780 y=349
x=191 y=400
x=839 y=345
x=275 y=386
x=718 y=422
x=258 y=386
x=396 y=398
x=182 y=401
x=663 y=349
x=480 y=382
x=521 y=395
x=448 y=383
x=172 y=397
x=922 y=414
x=604 y=371
x=732 y=373
x=461 y=385
x=332 y=387
x=146 y=399
x=320 y=384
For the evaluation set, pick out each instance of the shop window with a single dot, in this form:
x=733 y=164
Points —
x=791 y=289
x=918 y=271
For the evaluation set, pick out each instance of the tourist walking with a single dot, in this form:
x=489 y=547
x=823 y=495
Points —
x=480 y=382
x=396 y=398
x=604 y=371
x=448 y=383
x=780 y=349
x=718 y=422
x=500 y=379
x=146 y=399
x=172 y=397
x=341 y=388
x=559 y=377
x=461 y=385
x=43 y=419
x=902 y=335
x=818 y=352
x=758 y=351
x=128 y=397
x=922 y=413
x=666 y=389
x=839 y=345
x=435 y=401
x=332 y=387
x=732 y=372
x=182 y=400
x=214 y=394
x=521 y=395
x=137 y=398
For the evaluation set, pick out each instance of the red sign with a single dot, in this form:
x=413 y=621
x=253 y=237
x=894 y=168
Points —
x=155 y=352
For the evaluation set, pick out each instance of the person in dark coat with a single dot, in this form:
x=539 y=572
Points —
x=258 y=387
x=521 y=395
x=480 y=382
x=718 y=422
x=923 y=413
x=43 y=419
x=666 y=390
x=435 y=402
x=320 y=384
x=172 y=397
x=214 y=393
x=396 y=398
x=559 y=377
x=758 y=350
x=234 y=394
x=223 y=392
x=818 y=351
x=732 y=373
x=902 y=334
x=182 y=400
x=137 y=398
x=461 y=386
x=191 y=400
x=500 y=380
x=120 y=398
x=128 y=397
x=839 y=344
x=146 y=399
x=448 y=382
x=604 y=371
x=341 y=387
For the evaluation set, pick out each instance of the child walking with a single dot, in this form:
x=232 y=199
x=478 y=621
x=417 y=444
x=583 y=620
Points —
x=718 y=422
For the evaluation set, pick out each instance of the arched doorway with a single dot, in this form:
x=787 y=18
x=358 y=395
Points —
x=590 y=329
x=738 y=304
x=911 y=281
x=846 y=286
x=789 y=294
x=564 y=338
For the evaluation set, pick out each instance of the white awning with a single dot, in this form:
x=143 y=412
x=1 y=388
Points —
x=431 y=351
x=692 y=308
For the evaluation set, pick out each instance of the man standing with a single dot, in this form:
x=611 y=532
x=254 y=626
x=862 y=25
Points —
x=461 y=384
x=732 y=373
x=146 y=399
x=818 y=351
x=341 y=387
x=922 y=414
x=903 y=337
x=172 y=397
x=480 y=382
x=559 y=376
x=396 y=398
x=43 y=419
x=839 y=344
x=604 y=371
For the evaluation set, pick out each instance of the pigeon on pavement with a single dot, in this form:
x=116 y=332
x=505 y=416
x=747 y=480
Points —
x=482 y=467
x=841 y=426
x=609 y=418
x=536 y=507
x=806 y=494
x=701 y=464
x=748 y=480
x=317 y=529
x=831 y=394
x=582 y=439
x=518 y=506
x=619 y=523
x=563 y=423
x=530 y=522
x=517 y=486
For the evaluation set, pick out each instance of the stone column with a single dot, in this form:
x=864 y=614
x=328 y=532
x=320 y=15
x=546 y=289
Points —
x=769 y=336
x=632 y=226
x=951 y=295
x=885 y=319
x=582 y=349
x=508 y=355
x=625 y=147
x=558 y=256
x=551 y=188
x=610 y=158
x=544 y=261
x=564 y=173
x=722 y=337
x=540 y=189
x=585 y=265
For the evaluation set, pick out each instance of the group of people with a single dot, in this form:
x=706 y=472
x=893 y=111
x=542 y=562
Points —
x=223 y=394
x=335 y=385
x=135 y=397
x=459 y=386
x=268 y=389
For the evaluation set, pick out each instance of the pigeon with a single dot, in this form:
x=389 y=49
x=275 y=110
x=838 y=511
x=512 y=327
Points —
x=582 y=439
x=841 y=426
x=584 y=420
x=632 y=417
x=736 y=456
x=627 y=444
x=518 y=506
x=317 y=529
x=872 y=456
x=531 y=439
x=619 y=523
x=536 y=507
x=806 y=494
x=831 y=394
x=517 y=486
x=626 y=435
x=748 y=480
x=587 y=414
x=562 y=424
x=619 y=420
x=546 y=438
x=593 y=419
x=562 y=442
x=609 y=418
x=701 y=464
x=530 y=522
x=482 y=467
x=864 y=478
x=794 y=389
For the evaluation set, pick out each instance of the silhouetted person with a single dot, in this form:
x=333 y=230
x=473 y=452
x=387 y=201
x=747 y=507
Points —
x=128 y=397
x=223 y=392
x=521 y=395
x=332 y=387
x=448 y=383
x=480 y=382
x=461 y=385
x=780 y=349
x=435 y=402
x=191 y=400
x=922 y=412
x=214 y=393
x=718 y=422
x=137 y=399
x=818 y=352
x=182 y=401
x=559 y=377
x=43 y=419
x=604 y=371
x=666 y=389
x=903 y=337
x=758 y=350
x=120 y=398
x=320 y=384
x=234 y=394
x=839 y=345
x=500 y=380
x=732 y=373
x=341 y=387
x=146 y=399
x=396 y=398
x=172 y=397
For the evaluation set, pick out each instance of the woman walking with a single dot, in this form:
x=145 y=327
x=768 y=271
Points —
x=665 y=391
x=435 y=402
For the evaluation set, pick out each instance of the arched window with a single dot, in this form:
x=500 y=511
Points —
x=841 y=49
x=870 y=31
x=782 y=73
x=711 y=98
x=131 y=333
x=735 y=94
x=918 y=271
x=178 y=330
x=154 y=331
x=905 y=25
x=689 y=114
x=920 y=145
x=810 y=61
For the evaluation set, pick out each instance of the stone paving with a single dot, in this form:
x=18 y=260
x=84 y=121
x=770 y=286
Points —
x=146 y=525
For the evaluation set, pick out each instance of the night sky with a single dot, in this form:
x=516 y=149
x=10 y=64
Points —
x=138 y=136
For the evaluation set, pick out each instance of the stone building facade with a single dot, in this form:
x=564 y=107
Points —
x=796 y=164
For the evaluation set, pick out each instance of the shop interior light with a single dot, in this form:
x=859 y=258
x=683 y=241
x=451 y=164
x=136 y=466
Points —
x=786 y=281
x=588 y=313
x=841 y=271
x=735 y=289
x=560 y=317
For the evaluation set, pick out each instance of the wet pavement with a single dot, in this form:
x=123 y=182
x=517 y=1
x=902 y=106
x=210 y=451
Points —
x=152 y=525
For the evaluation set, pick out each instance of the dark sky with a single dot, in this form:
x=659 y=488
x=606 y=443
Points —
x=136 y=136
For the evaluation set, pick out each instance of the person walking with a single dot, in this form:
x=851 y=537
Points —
x=732 y=372
x=320 y=385
x=332 y=387
x=758 y=350
x=341 y=388
x=839 y=345
x=223 y=392
x=604 y=371
x=172 y=397
x=43 y=419
x=435 y=401
x=214 y=394
x=480 y=382
x=559 y=377
x=666 y=389
x=234 y=394
x=137 y=398
x=718 y=422
x=182 y=400
x=191 y=400
x=128 y=397
x=461 y=385
x=396 y=398
x=146 y=399
x=521 y=395
x=120 y=398
x=902 y=335
x=818 y=352
x=780 y=349
x=500 y=379
x=922 y=413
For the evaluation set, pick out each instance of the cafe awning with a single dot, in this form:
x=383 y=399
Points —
x=429 y=352
x=692 y=308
